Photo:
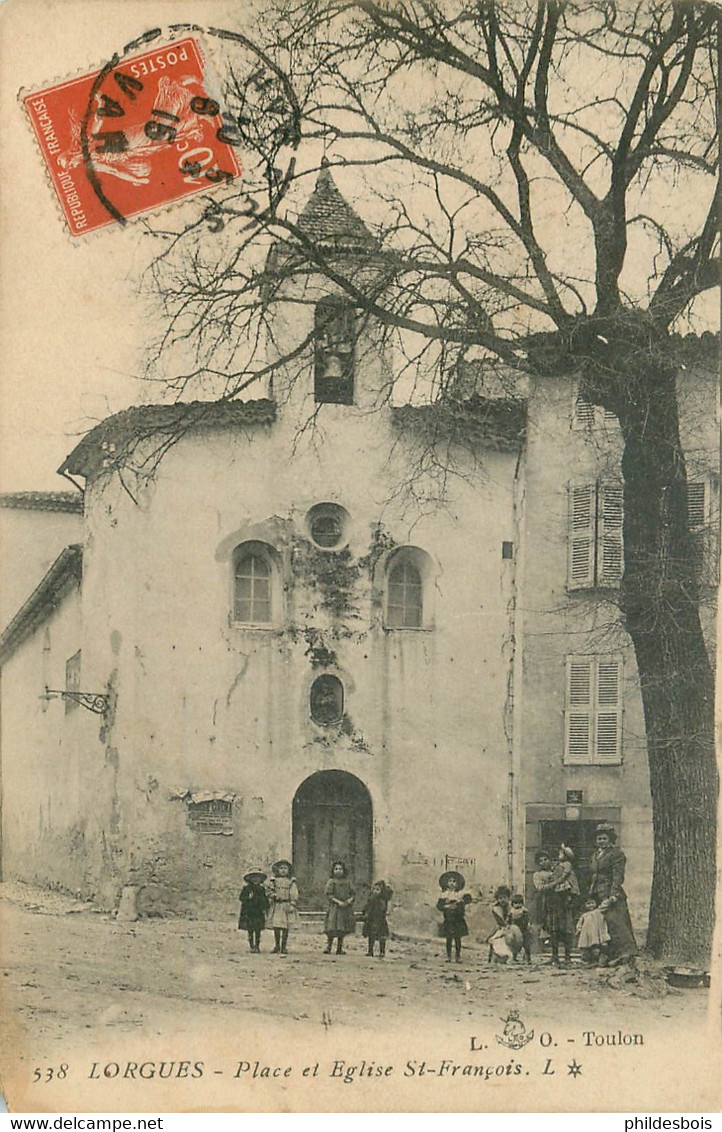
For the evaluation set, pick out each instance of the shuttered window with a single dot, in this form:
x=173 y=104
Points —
x=593 y=731
x=595 y=535
x=587 y=415
x=703 y=518
x=610 y=514
x=697 y=503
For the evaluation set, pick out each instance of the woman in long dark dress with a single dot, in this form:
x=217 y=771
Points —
x=608 y=865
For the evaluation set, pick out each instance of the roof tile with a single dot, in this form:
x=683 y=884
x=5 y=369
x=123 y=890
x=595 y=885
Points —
x=111 y=443
x=69 y=501
x=329 y=220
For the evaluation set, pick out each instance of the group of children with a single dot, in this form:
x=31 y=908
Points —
x=272 y=903
x=269 y=903
x=557 y=890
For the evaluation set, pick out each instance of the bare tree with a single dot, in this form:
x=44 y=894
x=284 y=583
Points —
x=547 y=196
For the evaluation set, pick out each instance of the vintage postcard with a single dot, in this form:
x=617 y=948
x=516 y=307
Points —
x=360 y=552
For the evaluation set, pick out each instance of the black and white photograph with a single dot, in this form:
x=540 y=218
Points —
x=360 y=521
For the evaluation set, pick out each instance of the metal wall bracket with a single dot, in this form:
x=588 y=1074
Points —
x=96 y=702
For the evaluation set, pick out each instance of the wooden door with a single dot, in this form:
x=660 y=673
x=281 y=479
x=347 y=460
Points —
x=332 y=820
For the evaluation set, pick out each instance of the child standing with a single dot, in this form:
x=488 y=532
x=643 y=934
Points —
x=502 y=943
x=518 y=917
x=283 y=894
x=340 y=921
x=562 y=890
x=254 y=905
x=593 y=933
x=376 y=926
x=452 y=905
x=540 y=878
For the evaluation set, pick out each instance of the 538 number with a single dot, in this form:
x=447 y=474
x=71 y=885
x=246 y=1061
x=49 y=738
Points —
x=49 y=1072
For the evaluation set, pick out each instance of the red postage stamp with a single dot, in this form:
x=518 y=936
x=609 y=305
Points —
x=132 y=138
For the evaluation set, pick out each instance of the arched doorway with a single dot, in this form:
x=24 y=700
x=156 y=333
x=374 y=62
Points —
x=332 y=818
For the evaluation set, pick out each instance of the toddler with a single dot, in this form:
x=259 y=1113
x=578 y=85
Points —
x=593 y=933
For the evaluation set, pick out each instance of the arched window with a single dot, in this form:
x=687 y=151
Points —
x=252 y=588
x=404 y=608
x=326 y=700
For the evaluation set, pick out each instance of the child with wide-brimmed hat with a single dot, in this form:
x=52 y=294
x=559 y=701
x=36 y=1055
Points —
x=283 y=894
x=254 y=905
x=452 y=905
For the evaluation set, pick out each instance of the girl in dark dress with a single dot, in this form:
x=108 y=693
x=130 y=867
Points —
x=608 y=864
x=376 y=926
x=452 y=906
x=518 y=917
x=254 y=905
x=340 y=920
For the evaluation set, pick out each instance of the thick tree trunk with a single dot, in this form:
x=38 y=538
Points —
x=660 y=604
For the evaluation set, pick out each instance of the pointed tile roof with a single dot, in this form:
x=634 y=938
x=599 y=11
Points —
x=329 y=220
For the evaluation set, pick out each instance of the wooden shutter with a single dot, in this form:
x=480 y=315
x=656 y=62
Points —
x=583 y=412
x=579 y=711
x=608 y=711
x=587 y=415
x=580 y=542
x=697 y=503
x=610 y=514
x=703 y=518
x=593 y=732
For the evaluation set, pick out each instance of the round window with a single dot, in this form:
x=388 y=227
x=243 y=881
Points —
x=326 y=524
x=326 y=530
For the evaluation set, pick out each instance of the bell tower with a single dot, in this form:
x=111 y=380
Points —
x=342 y=366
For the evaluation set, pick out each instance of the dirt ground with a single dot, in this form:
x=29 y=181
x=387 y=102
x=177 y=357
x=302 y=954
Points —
x=71 y=974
